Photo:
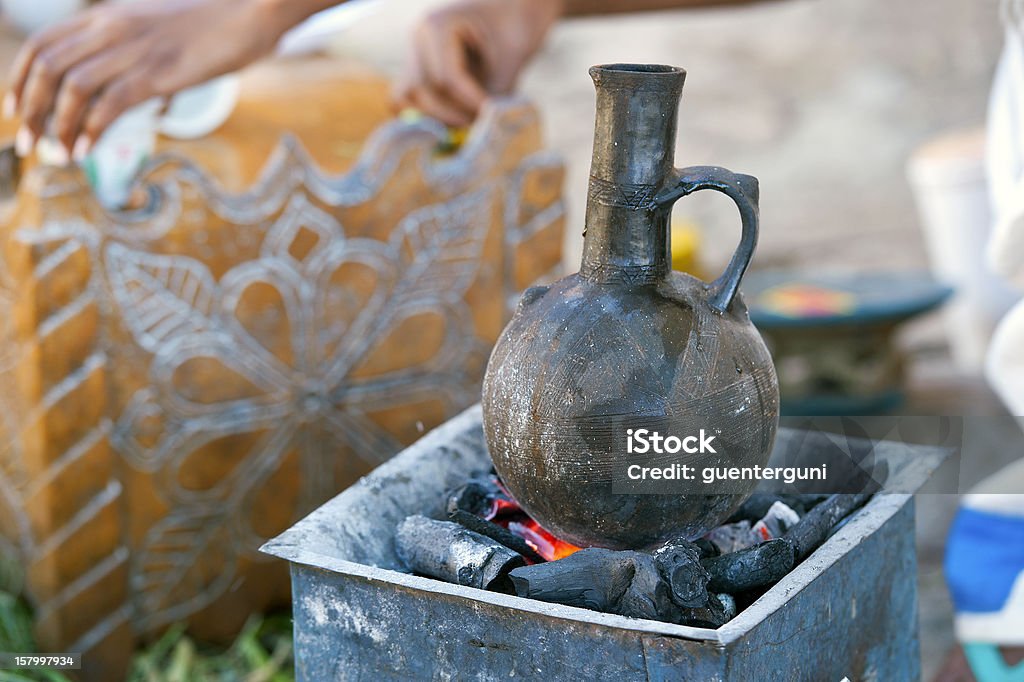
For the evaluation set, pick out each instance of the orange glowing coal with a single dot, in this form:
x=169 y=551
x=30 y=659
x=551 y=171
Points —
x=506 y=512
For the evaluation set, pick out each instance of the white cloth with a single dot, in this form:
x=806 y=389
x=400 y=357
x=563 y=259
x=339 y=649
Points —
x=1005 y=170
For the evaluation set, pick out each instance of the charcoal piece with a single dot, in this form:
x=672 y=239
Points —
x=679 y=565
x=728 y=603
x=707 y=548
x=775 y=523
x=732 y=537
x=814 y=527
x=626 y=583
x=758 y=566
x=811 y=500
x=476 y=496
x=496 y=533
x=755 y=507
x=590 y=578
x=798 y=502
x=447 y=551
x=716 y=614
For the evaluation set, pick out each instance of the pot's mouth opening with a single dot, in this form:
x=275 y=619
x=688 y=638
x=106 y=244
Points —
x=641 y=68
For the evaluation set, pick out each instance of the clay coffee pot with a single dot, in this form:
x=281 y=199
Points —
x=627 y=343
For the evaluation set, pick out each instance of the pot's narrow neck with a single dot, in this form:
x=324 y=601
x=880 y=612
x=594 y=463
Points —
x=634 y=141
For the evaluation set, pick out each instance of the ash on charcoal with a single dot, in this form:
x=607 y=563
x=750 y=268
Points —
x=775 y=523
x=814 y=527
x=477 y=496
x=731 y=537
x=757 y=505
x=496 y=533
x=680 y=566
x=448 y=551
x=739 y=535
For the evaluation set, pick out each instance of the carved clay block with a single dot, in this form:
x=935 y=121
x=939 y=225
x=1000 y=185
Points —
x=182 y=381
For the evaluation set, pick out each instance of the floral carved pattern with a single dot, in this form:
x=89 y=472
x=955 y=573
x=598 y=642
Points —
x=308 y=395
x=239 y=358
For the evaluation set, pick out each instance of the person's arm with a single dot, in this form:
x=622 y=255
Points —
x=74 y=79
x=83 y=73
x=470 y=49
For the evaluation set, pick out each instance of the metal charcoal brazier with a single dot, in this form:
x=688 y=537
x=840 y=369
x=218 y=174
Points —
x=848 y=610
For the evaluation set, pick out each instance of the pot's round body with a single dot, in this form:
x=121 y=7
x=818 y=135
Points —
x=581 y=363
x=628 y=344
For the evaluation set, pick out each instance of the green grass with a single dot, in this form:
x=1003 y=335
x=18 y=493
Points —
x=16 y=637
x=261 y=653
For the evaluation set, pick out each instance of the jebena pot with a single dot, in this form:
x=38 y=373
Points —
x=627 y=343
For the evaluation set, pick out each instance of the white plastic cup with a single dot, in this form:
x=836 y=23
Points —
x=121 y=151
x=116 y=158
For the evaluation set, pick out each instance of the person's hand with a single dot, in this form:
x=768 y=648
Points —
x=73 y=79
x=471 y=49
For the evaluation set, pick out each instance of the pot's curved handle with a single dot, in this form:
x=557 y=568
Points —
x=743 y=190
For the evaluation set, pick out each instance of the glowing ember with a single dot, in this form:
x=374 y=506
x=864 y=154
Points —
x=506 y=512
x=546 y=544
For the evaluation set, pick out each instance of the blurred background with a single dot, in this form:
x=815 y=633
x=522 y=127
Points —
x=823 y=101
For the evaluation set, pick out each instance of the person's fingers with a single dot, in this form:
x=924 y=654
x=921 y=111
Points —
x=121 y=94
x=502 y=66
x=82 y=83
x=401 y=98
x=503 y=79
x=37 y=97
x=26 y=56
x=444 y=51
x=440 y=99
x=459 y=81
x=411 y=78
x=47 y=74
x=433 y=103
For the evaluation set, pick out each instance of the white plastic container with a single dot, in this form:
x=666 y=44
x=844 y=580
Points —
x=127 y=144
